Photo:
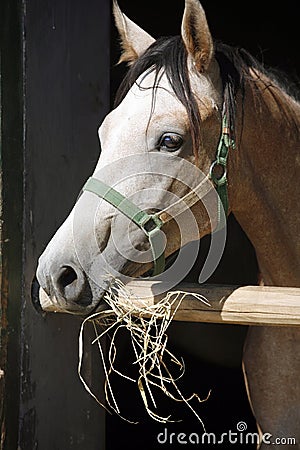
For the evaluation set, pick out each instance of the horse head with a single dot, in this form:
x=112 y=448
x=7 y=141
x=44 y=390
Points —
x=158 y=146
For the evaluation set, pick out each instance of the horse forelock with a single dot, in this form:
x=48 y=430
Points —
x=168 y=55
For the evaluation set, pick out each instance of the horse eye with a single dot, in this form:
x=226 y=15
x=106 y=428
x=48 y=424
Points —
x=170 y=142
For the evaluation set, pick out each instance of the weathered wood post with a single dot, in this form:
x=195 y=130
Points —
x=54 y=93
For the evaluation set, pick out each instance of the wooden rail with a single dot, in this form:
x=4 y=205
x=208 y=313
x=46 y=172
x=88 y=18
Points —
x=247 y=305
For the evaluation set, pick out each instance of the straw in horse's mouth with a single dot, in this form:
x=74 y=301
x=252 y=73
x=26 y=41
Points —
x=147 y=326
x=103 y=306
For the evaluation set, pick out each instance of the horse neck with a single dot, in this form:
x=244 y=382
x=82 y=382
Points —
x=264 y=188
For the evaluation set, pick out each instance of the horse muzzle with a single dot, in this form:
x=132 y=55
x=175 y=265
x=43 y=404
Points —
x=67 y=290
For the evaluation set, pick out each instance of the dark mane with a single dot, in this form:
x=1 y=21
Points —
x=168 y=55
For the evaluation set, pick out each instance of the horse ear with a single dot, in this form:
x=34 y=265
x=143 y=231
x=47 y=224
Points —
x=134 y=40
x=196 y=35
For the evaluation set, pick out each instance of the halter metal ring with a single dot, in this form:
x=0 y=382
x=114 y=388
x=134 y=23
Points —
x=218 y=180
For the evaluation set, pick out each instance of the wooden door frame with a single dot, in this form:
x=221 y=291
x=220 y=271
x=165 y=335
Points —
x=11 y=142
x=25 y=384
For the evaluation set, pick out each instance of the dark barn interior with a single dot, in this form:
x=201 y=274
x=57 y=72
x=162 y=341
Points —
x=58 y=80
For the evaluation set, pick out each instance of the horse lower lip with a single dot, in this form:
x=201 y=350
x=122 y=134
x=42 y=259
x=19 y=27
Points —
x=35 y=296
x=100 y=306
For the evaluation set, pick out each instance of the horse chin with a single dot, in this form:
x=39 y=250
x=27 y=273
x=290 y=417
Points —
x=100 y=307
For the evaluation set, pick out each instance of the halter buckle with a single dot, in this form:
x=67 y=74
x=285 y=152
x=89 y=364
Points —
x=151 y=224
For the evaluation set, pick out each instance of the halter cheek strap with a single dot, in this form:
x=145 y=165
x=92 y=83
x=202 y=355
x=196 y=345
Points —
x=218 y=170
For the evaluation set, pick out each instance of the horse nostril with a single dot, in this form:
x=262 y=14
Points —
x=71 y=284
x=66 y=277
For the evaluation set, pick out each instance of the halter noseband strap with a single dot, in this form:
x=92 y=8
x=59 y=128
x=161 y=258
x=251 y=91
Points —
x=151 y=224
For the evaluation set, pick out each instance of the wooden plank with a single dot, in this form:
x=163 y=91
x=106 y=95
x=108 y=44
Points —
x=246 y=305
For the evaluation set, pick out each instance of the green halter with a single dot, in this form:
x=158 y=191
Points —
x=220 y=165
x=151 y=224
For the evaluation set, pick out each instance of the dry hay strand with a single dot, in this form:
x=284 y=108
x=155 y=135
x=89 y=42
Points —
x=147 y=326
